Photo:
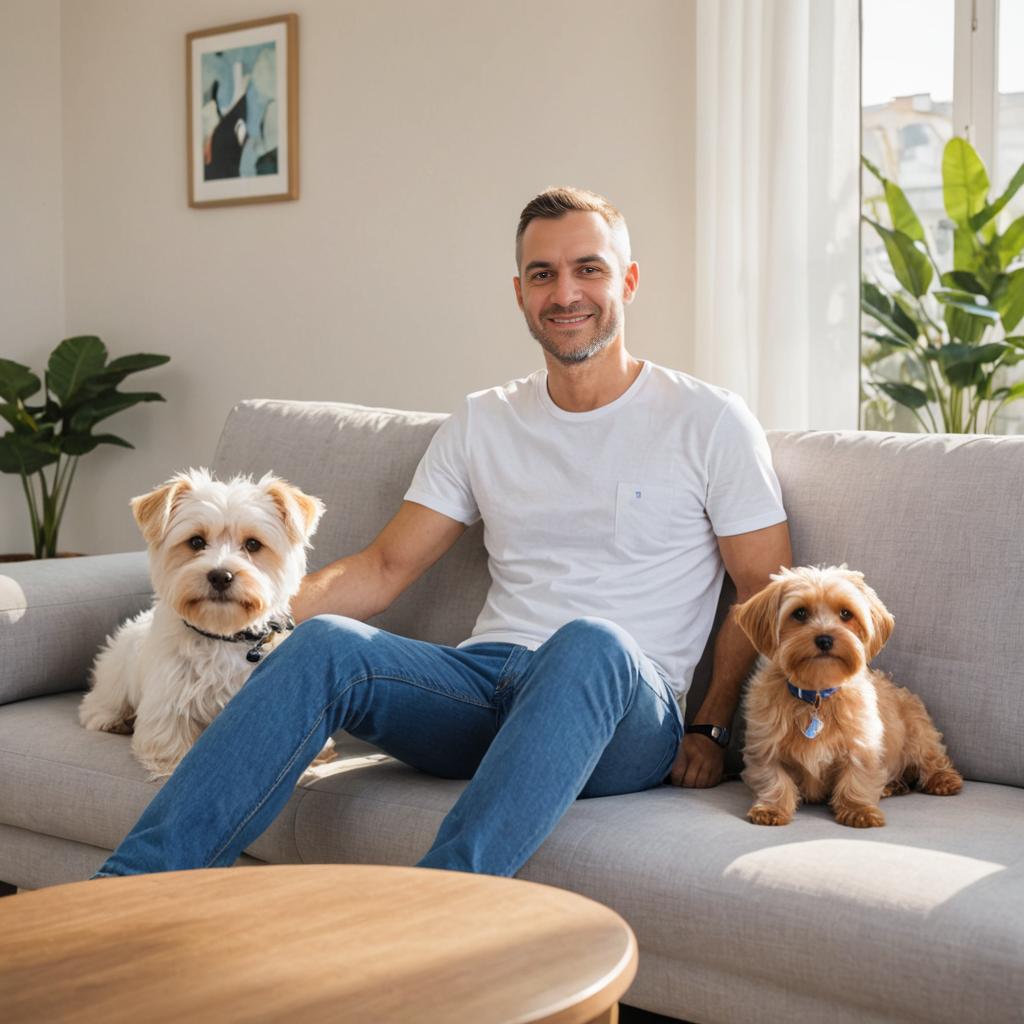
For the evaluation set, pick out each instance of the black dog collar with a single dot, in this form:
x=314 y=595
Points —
x=249 y=636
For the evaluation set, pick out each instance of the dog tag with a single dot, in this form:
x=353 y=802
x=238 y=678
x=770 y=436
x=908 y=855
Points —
x=813 y=726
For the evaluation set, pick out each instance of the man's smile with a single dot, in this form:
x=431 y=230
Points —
x=570 y=321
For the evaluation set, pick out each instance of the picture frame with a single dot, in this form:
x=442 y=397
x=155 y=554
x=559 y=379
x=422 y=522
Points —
x=242 y=98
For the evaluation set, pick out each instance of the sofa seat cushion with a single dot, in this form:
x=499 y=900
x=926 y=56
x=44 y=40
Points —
x=915 y=921
x=59 y=779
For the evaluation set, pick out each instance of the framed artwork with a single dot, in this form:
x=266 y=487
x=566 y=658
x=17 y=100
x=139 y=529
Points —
x=242 y=84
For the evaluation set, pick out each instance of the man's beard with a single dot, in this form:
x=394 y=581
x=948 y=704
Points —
x=603 y=333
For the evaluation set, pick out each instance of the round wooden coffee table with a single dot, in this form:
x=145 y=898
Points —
x=348 y=943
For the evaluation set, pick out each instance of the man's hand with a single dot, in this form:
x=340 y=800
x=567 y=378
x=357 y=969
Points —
x=699 y=763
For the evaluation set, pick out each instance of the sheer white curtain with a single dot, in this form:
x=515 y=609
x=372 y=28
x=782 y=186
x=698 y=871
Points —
x=777 y=172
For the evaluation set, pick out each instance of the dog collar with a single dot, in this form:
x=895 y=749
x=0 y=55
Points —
x=249 y=636
x=814 y=698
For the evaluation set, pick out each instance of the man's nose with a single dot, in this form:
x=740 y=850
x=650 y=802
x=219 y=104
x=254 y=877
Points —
x=567 y=290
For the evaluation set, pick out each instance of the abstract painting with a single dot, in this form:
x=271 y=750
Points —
x=243 y=127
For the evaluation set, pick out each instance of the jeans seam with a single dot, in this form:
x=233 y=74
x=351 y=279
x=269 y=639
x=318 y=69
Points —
x=291 y=761
x=506 y=676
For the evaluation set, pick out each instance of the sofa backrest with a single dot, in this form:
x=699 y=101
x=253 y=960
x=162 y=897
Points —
x=360 y=462
x=936 y=523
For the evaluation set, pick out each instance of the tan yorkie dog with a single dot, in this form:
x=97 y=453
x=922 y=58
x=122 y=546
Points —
x=821 y=725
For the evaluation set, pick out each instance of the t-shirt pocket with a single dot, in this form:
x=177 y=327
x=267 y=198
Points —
x=645 y=517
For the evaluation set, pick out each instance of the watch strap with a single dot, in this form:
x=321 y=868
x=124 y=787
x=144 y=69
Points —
x=719 y=733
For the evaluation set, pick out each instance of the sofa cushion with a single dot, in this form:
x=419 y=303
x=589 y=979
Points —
x=360 y=461
x=936 y=525
x=55 y=612
x=68 y=782
x=784 y=899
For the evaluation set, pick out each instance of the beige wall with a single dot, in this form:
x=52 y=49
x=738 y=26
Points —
x=425 y=128
x=31 y=224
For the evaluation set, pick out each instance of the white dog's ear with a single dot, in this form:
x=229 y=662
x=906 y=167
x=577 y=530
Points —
x=759 y=617
x=300 y=511
x=153 y=511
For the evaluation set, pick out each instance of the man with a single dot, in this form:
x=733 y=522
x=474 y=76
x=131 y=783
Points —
x=614 y=494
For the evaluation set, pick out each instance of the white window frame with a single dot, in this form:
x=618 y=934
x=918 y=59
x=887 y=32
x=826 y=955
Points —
x=976 y=76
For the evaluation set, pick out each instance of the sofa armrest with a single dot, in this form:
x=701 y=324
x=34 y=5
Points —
x=56 y=612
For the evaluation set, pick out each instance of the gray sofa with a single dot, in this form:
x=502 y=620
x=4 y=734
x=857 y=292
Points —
x=920 y=921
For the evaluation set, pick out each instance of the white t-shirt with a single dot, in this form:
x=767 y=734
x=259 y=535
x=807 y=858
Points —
x=610 y=513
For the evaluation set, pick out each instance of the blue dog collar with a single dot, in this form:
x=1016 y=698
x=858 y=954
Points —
x=814 y=698
x=811 y=696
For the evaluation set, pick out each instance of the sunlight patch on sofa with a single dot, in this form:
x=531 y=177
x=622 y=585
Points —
x=13 y=602
x=916 y=879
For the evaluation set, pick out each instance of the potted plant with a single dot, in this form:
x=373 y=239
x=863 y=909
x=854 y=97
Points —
x=938 y=343
x=46 y=440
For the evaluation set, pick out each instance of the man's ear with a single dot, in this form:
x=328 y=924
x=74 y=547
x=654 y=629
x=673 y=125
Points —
x=517 y=284
x=630 y=282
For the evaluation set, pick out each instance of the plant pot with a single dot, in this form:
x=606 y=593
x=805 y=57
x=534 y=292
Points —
x=32 y=558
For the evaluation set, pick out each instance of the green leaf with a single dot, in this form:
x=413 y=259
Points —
x=1009 y=301
x=890 y=323
x=965 y=375
x=964 y=281
x=16 y=381
x=904 y=317
x=964 y=323
x=1017 y=391
x=963 y=302
x=967 y=255
x=964 y=181
x=21 y=454
x=909 y=264
x=116 y=371
x=905 y=394
x=73 y=362
x=1010 y=243
x=979 y=220
x=873 y=169
x=902 y=213
x=88 y=415
x=951 y=355
x=874 y=298
x=887 y=339
x=81 y=444
x=19 y=418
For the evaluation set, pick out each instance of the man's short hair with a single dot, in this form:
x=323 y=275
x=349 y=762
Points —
x=553 y=203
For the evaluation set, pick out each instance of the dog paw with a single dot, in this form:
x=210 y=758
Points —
x=122 y=727
x=895 y=788
x=760 y=814
x=943 y=783
x=860 y=817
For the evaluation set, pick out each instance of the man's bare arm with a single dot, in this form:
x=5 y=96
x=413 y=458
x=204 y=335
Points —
x=750 y=558
x=364 y=584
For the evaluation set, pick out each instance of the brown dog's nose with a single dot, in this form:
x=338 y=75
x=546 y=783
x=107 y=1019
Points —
x=824 y=642
x=220 y=579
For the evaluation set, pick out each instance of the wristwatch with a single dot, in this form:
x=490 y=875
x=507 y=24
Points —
x=719 y=733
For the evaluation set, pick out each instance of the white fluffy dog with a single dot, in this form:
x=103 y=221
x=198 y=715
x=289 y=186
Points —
x=226 y=560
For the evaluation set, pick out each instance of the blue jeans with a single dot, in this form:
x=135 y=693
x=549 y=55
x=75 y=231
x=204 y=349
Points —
x=586 y=714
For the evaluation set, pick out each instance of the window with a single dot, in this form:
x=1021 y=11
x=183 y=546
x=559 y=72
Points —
x=932 y=69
